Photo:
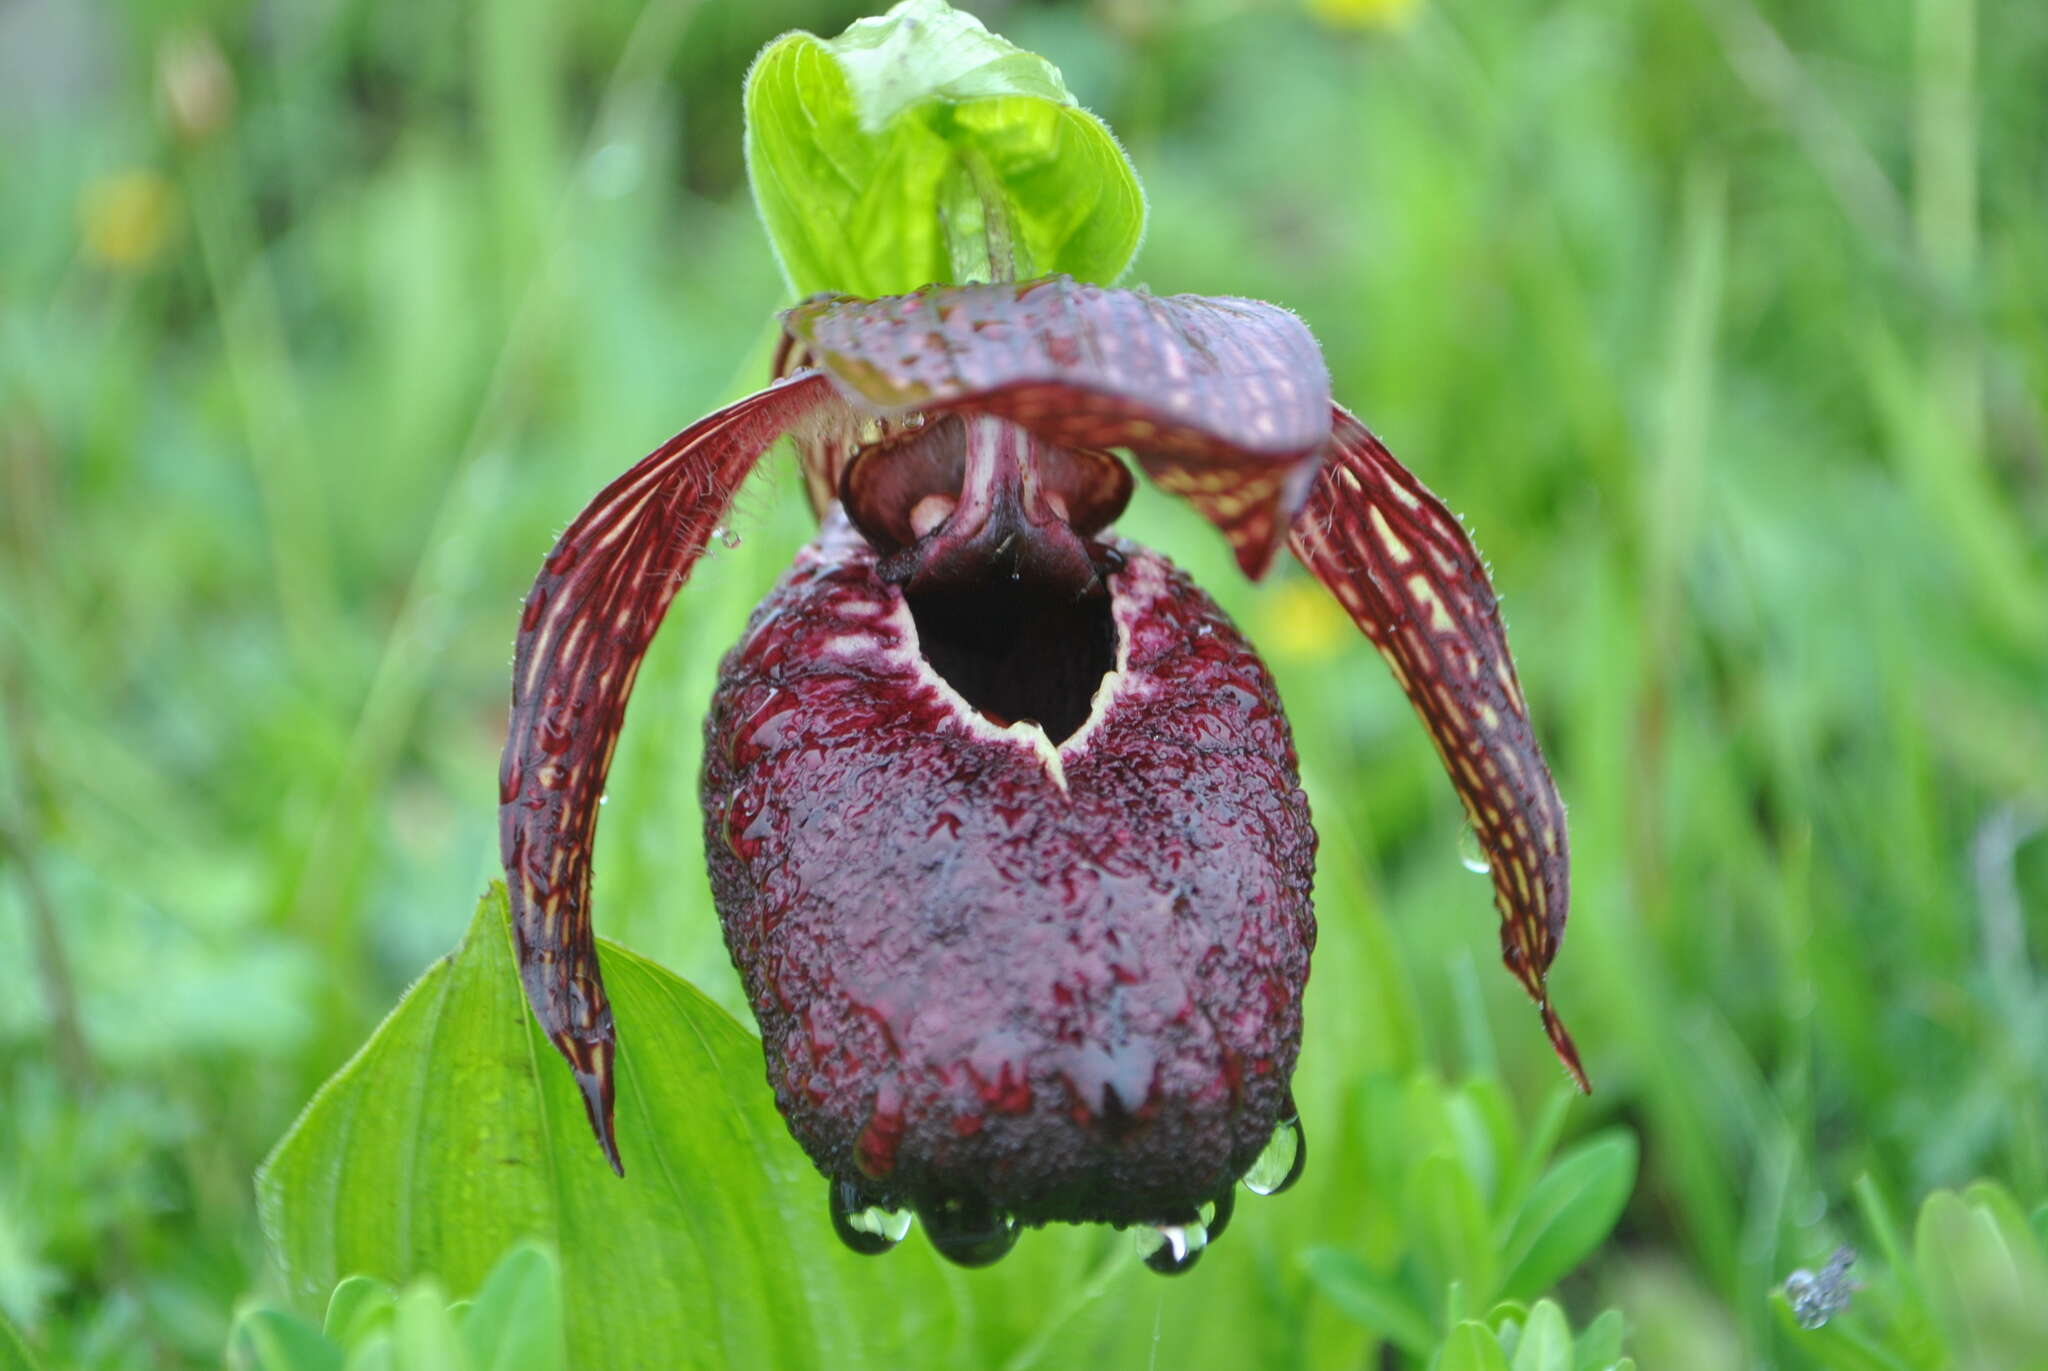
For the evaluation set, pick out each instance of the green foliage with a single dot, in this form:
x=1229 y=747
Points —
x=918 y=147
x=14 y=1353
x=514 y=1323
x=1970 y=1295
x=1471 y=1347
x=1474 y=1211
x=1718 y=323
x=455 y=1132
x=1980 y=1269
x=1515 y=1337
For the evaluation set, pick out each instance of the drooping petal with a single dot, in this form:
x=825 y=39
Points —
x=599 y=597
x=1410 y=578
x=1223 y=401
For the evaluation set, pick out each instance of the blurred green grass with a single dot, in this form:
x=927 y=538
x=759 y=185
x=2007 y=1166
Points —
x=1724 y=323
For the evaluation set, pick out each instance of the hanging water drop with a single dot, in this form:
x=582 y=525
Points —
x=726 y=535
x=1279 y=1166
x=1216 y=1213
x=968 y=1230
x=1471 y=855
x=1172 y=1248
x=866 y=1228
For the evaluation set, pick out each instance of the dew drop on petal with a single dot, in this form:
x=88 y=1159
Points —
x=1280 y=1165
x=968 y=1231
x=1172 y=1248
x=867 y=1228
x=1470 y=855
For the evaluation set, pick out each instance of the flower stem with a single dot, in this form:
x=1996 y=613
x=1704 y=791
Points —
x=982 y=242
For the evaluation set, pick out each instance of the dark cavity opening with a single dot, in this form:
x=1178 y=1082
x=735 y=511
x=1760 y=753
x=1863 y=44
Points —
x=1015 y=651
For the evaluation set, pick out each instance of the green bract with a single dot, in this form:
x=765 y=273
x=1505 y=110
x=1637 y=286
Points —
x=920 y=147
x=451 y=1137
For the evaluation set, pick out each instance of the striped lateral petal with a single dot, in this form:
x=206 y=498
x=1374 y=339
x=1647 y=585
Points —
x=1409 y=577
x=595 y=606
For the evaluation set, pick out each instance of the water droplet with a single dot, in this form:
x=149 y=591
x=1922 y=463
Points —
x=1172 y=1248
x=1279 y=1166
x=1216 y=1213
x=606 y=796
x=866 y=1228
x=968 y=1231
x=1817 y=1297
x=728 y=536
x=1471 y=855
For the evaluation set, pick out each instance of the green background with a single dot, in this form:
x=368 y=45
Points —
x=1724 y=323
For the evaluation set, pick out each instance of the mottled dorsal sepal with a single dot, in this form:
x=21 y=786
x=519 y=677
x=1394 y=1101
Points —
x=1404 y=569
x=1225 y=401
x=599 y=597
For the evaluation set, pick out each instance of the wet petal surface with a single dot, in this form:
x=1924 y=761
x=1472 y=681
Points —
x=1066 y=980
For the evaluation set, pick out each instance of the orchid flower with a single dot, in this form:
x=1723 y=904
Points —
x=1002 y=813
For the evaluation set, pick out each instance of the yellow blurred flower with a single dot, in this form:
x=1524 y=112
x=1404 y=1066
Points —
x=125 y=218
x=1301 y=620
x=1364 y=14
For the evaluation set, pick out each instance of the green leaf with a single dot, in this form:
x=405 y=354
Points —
x=1569 y=1212
x=456 y=1132
x=919 y=148
x=1453 y=1240
x=515 y=1321
x=1912 y=1325
x=513 y=1324
x=1546 y=1342
x=1425 y=1121
x=272 y=1340
x=14 y=1350
x=1482 y=1121
x=2016 y=1236
x=359 y=1303
x=1985 y=1278
x=1369 y=1298
x=1600 y=1345
x=1525 y=1166
x=1472 y=1346
x=423 y=1332
x=375 y=1353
